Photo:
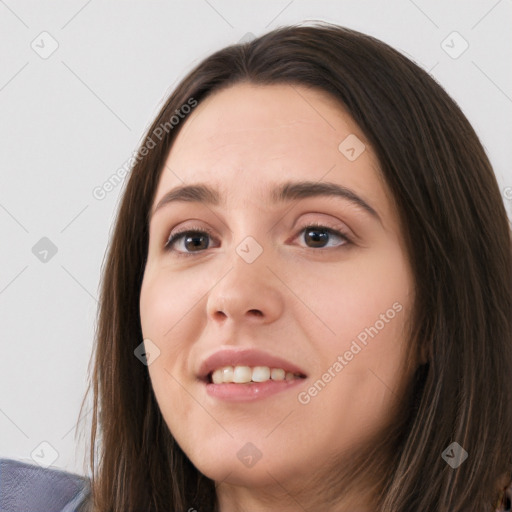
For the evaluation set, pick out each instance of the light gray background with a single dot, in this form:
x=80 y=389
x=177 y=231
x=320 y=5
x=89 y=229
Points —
x=70 y=120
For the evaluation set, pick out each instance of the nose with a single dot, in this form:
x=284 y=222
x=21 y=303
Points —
x=247 y=292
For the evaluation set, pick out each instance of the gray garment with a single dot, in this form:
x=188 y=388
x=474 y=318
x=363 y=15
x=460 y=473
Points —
x=26 y=487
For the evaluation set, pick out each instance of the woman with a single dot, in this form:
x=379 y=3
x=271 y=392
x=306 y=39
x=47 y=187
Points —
x=307 y=299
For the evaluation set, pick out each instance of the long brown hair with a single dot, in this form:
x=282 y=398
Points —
x=458 y=240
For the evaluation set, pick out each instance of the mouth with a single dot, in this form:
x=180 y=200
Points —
x=247 y=375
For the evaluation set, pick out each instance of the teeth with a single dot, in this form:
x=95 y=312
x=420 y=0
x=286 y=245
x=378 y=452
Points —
x=245 y=374
x=241 y=374
x=277 y=374
x=227 y=374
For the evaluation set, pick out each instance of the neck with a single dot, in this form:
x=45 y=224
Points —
x=279 y=499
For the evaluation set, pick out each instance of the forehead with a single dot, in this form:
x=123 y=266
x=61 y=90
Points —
x=274 y=117
x=244 y=138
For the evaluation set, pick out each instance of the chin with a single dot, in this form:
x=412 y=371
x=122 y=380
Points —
x=228 y=468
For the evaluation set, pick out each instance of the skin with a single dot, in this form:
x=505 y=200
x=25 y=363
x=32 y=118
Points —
x=312 y=301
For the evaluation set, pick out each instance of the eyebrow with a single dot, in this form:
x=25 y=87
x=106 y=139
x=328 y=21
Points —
x=287 y=191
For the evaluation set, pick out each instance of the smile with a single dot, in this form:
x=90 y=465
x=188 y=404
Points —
x=246 y=374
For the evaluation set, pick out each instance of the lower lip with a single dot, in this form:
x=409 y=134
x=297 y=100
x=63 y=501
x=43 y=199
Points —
x=250 y=391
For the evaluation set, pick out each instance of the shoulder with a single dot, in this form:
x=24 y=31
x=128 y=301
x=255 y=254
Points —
x=26 y=487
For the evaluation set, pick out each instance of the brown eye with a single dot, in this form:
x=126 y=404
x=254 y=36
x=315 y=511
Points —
x=192 y=240
x=320 y=235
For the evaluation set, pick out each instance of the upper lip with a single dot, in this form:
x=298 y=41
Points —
x=245 y=357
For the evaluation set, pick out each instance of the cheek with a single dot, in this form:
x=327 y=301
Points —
x=343 y=300
x=360 y=309
x=165 y=299
x=167 y=304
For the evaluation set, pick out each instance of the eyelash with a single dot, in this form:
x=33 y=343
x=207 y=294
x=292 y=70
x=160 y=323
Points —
x=201 y=231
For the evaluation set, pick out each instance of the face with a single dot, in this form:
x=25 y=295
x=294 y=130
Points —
x=329 y=300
